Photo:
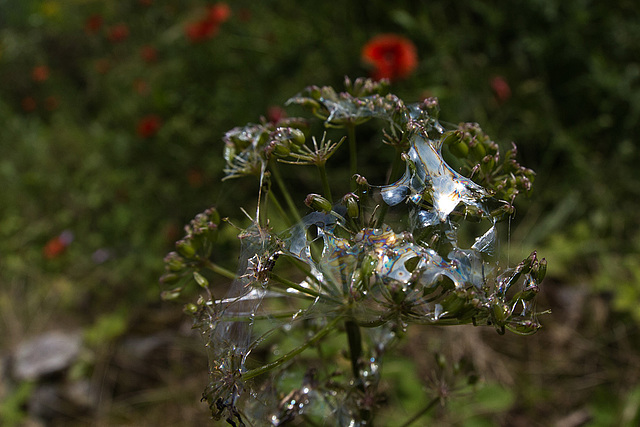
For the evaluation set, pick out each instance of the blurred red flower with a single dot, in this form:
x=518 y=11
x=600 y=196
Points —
x=57 y=245
x=501 y=89
x=208 y=26
x=93 y=24
x=28 y=104
x=275 y=114
x=40 y=73
x=118 y=33
x=219 y=12
x=149 y=125
x=392 y=56
x=149 y=54
x=201 y=30
x=146 y=2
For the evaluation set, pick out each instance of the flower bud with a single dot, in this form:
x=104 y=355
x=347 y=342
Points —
x=500 y=312
x=539 y=270
x=368 y=265
x=200 y=279
x=353 y=207
x=318 y=203
x=185 y=248
x=191 y=308
x=170 y=295
x=169 y=278
x=174 y=262
x=297 y=137
x=504 y=210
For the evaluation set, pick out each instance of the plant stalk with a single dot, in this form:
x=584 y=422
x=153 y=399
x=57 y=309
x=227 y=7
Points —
x=293 y=353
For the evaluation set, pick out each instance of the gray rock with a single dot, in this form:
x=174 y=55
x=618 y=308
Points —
x=46 y=354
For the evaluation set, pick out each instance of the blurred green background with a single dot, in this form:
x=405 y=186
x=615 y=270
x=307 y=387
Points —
x=111 y=117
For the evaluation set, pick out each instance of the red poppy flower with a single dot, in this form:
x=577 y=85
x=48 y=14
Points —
x=501 y=89
x=149 y=54
x=57 y=245
x=93 y=24
x=28 y=104
x=208 y=26
x=40 y=73
x=201 y=30
x=393 y=57
x=148 y=126
x=146 y=2
x=219 y=12
x=118 y=33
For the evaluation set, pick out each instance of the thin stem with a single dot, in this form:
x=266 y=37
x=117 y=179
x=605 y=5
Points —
x=353 y=149
x=355 y=348
x=326 y=189
x=220 y=270
x=285 y=192
x=421 y=412
x=293 y=285
x=293 y=353
x=279 y=208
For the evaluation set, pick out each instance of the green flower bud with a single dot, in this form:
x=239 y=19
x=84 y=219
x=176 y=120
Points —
x=353 y=207
x=368 y=265
x=169 y=278
x=503 y=211
x=171 y=295
x=200 y=279
x=540 y=270
x=185 y=248
x=526 y=327
x=297 y=137
x=460 y=150
x=174 y=262
x=318 y=203
x=191 y=308
x=477 y=150
x=500 y=313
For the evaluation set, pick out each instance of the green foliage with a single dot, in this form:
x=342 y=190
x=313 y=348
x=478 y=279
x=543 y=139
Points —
x=12 y=411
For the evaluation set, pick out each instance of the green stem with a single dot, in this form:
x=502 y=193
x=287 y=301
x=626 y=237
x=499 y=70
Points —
x=293 y=353
x=421 y=413
x=285 y=193
x=325 y=182
x=289 y=284
x=353 y=149
x=220 y=270
x=279 y=208
x=355 y=348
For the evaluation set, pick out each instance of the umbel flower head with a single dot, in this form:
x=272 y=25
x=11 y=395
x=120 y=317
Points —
x=365 y=265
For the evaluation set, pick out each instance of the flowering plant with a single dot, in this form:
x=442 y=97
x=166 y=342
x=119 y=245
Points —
x=364 y=266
